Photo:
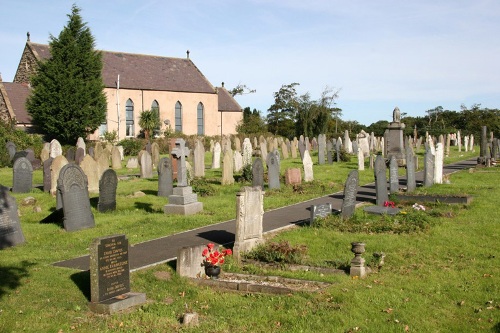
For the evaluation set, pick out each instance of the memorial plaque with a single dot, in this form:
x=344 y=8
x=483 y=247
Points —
x=22 y=176
x=350 y=192
x=10 y=227
x=320 y=211
x=109 y=268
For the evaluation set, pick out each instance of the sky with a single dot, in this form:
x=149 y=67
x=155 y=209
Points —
x=415 y=55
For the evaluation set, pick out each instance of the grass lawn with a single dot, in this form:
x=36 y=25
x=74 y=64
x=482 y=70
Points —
x=442 y=279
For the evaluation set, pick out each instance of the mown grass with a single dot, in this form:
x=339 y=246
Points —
x=441 y=279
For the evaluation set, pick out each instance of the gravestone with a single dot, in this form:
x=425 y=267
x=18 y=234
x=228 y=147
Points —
x=438 y=164
x=190 y=262
x=355 y=148
x=11 y=149
x=361 y=159
x=227 y=168
x=146 y=169
x=70 y=154
x=284 y=150
x=132 y=163
x=44 y=154
x=22 y=181
x=273 y=170
x=102 y=163
x=350 y=193
x=107 y=191
x=393 y=175
x=321 y=148
x=364 y=143
x=155 y=154
x=199 y=159
x=380 y=181
x=47 y=174
x=393 y=138
x=237 y=161
x=249 y=216
x=337 y=149
x=165 y=177
x=80 y=154
x=10 y=226
x=183 y=201
x=55 y=167
x=263 y=150
x=293 y=147
x=216 y=156
x=80 y=143
x=72 y=186
x=116 y=159
x=110 y=276
x=302 y=147
x=91 y=170
x=247 y=152
x=293 y=176
x=97 y=150
x=308 y=167
x=428 y=168
x=237 y=144
x=411 y=183
x=258 y=173
x=320 y=211
x=55 y=148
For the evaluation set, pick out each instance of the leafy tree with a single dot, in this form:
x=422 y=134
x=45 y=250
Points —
x=378 y=128
x=149 y=121
x=241 y=89
x=252 y=122
x=281 y=115
x=67 y=99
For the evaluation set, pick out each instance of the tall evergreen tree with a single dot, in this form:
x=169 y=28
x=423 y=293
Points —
x=67 y=99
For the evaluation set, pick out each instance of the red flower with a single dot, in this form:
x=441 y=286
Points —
x=214 y=256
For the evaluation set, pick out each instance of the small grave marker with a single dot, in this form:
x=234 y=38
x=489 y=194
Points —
x=10 y=227
x=320 y=211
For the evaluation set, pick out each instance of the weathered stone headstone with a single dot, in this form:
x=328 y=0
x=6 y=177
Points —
x=80 y=154
x=190 y=262
x=363 y=143
x=72 y=185
x=11 y=149
x=146 y=165
x=258 y=173
x=132 y=163
x=107 y=191
x=116 y=159
x=237 y=144
x=428 y=168
x=320 y=211
x=216 y=156
x=302 y=147
x=47 y=174
x=110 y=276
x=249 y=216
x=55 y=148
x=97 y=150
x=308 y=167
x=22 y=176
x=91 y=170
x=273 y=170
x=237 y=161
x=70 y=154
x=55 y=167
x=80 y=143
x=393 y=139
x=102 y=163
x=380 y=181
x=438 y=164
x=361 y=159
x=284 y=150
x=293 y=147
x=393 y=175
x=350 y=192
x=247 y=152
x=155 y=154
x=337 y=149
x=180 y=153
x=44 y=154
x=10 y=226
x=199 y=159
x=293 y=176
x=321 y=148
x=411 y=183
x=165 y=177
x=227 y=168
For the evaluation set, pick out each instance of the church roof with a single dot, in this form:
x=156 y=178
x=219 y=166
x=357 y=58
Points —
x=145 y=72
x=18 y=93
x=226 y=102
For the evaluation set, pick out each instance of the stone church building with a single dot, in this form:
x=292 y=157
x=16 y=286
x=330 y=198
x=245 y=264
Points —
x=174 y=87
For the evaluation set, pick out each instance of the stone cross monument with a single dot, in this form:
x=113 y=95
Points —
x=180 y=152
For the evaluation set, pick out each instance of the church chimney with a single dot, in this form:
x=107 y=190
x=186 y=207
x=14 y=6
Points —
x=187 y=53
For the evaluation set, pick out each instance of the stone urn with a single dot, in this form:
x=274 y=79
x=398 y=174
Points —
x=358 y=263
x=358 y=248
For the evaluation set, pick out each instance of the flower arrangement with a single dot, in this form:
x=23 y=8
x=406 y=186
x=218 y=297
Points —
x=390 y=204
x=214 y=257
x=416 y=206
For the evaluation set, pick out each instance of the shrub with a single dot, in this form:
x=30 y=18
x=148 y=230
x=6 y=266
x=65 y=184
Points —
x=246 y=173
x=280 y=252
x=202 y=187
x=343 y=155
x=131 y=147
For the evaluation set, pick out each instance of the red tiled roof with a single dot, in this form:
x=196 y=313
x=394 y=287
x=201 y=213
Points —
x=226 y=102
x=146 y=72
x=18 y=94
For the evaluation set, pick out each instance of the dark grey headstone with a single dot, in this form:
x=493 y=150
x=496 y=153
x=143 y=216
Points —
x=380 y=181
x=484 y=141
x=428 y=168
x=321 y=148
x=329 y=156
x=411 y=183
x=22 y=176
x=11 y=149
x=165 y=177
x=337 y=150
x=320 y=211
x=354 y=147
x=258 y=173
x=302 y=147
x=79 y=155
x=73 y=187
x=350 y=192
x=10 y=227
x=107 y=191
x=47 y=174
x=109 y=268
x=273 y=170
x=19 y=154
x=70 y=154
x=393 y=175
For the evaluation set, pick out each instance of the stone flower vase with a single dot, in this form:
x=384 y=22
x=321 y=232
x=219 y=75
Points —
x=358 y=263
x=212 y=271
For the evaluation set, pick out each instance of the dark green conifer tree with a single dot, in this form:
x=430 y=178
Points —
x=67 y=99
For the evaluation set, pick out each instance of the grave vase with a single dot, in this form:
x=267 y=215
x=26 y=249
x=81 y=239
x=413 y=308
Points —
x=212 y=271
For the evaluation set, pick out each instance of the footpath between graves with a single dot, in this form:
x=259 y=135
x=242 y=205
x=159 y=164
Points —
x=165 y=249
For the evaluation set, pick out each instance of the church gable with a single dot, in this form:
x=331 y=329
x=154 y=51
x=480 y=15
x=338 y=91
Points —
x=28 y=64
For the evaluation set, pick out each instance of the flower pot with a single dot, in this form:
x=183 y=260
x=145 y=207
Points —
x=358 y=248
x=212 y=271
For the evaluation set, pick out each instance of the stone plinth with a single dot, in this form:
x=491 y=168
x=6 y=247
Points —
x=183 y=202
x=394 y=142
